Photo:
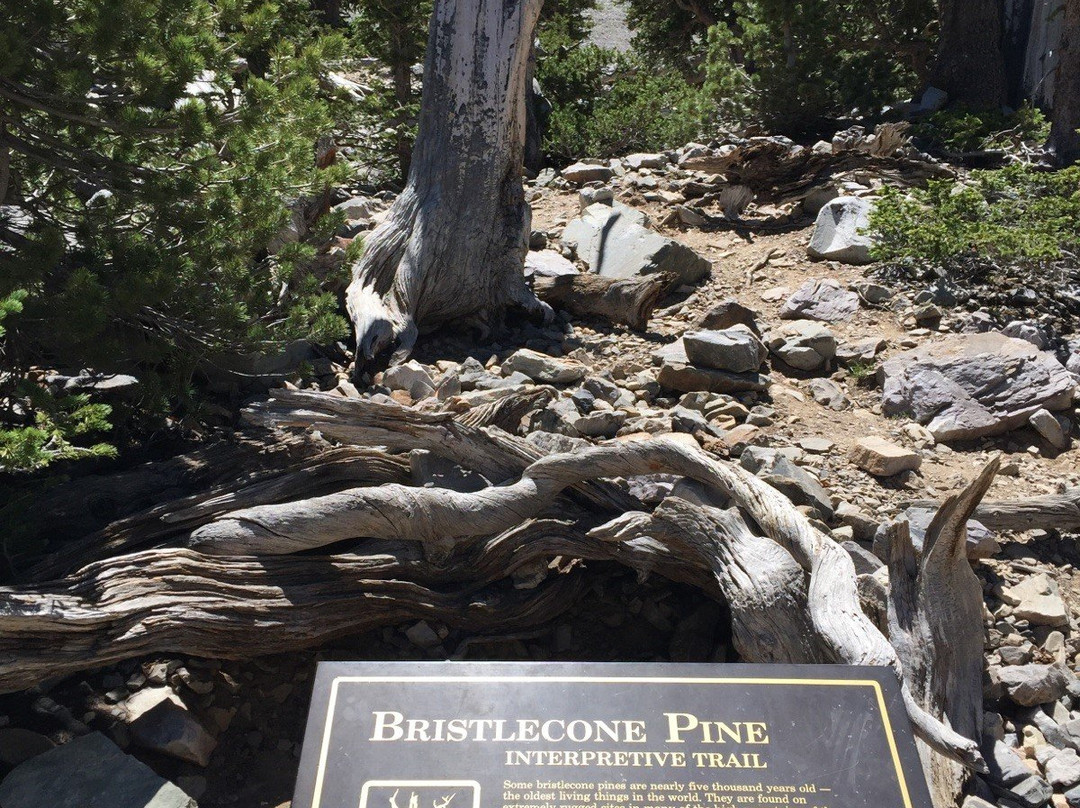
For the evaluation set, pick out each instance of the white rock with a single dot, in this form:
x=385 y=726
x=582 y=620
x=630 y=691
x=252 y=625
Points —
x=837 y=235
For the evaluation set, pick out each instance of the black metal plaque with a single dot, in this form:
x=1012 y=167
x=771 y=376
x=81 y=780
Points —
x=611 y=735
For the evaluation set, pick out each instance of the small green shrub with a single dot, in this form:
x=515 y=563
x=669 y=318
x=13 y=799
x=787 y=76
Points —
x=56 y=424
x=1016 y=212
x=965 y=130
x=606 y=104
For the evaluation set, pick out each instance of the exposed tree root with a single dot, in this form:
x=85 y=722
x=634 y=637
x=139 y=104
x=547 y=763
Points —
x=404 y=552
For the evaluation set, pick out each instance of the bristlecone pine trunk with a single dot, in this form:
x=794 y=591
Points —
x=970 y=62
x=1064 y=141
x=453 y=246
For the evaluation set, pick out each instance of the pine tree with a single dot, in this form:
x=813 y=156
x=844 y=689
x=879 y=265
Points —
x=149 y=153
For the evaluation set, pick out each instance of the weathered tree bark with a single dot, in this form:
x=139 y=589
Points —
x=453 y=246
x=935 y=625
x=627 y=301
x=765 y=587
x=1064 y=142
x=970 y=63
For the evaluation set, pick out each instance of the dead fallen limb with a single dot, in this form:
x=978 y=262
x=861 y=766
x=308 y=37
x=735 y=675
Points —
x=1050 y=512
x=630 y=302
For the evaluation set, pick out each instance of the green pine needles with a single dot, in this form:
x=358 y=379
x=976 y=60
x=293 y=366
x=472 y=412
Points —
x=150 y=152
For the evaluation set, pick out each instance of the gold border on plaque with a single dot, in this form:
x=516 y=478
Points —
x=644 y=680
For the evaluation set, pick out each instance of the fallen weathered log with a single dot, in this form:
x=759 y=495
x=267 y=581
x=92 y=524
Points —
x=232 y=608
x=621 y=301
x=765 y=587
x=1050 y=512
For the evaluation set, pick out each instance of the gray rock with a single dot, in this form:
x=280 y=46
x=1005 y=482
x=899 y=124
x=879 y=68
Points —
x=823 y=299
x=863 y=526
x=691 y=422
x=1030 y=331
x=1072 y=796
x=412 y=377
x=1031 y=792
x=932 y=100
x=1006 y=766
x=829 y=394
x=804 y=345
x=360 y=209
x=818 y=446
x=689 y=379
x=422 y=635
x=615 y=243
x=652 y=489
x=583 y=172
x=980 y=541
x=543 y=368
x=590 y=195
x=873 y=293
x=1029 y=685
x=819 y=197
x=795 y=482
x=1073 y=363
x=967 y=386
x=861 y=351
x=89 y=772
x=160 y=721
x=1050 y=428
x=735 y=349
x=600 y=424
x=547 y=264
x=726 y=314
x=866 y=563
x=837 y=235
x=653 y=161
x=1063 y=769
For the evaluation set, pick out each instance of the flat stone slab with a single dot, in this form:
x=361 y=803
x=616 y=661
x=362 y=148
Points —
x=879 y=457
x=966 y=386
x=614 y=241
x=527 y=735
x=89 y=772
x=823 y=299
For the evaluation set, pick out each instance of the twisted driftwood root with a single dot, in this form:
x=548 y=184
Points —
x=406 y=552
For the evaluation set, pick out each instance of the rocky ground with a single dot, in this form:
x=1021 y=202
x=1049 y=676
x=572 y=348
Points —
x=858 y=393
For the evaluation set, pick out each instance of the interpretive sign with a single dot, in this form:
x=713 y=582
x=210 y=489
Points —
x=611 y=735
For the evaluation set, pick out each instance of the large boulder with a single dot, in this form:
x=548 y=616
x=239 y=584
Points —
x=838 y=232
x=614 y=241
x=89 y=772
x=970 y=385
